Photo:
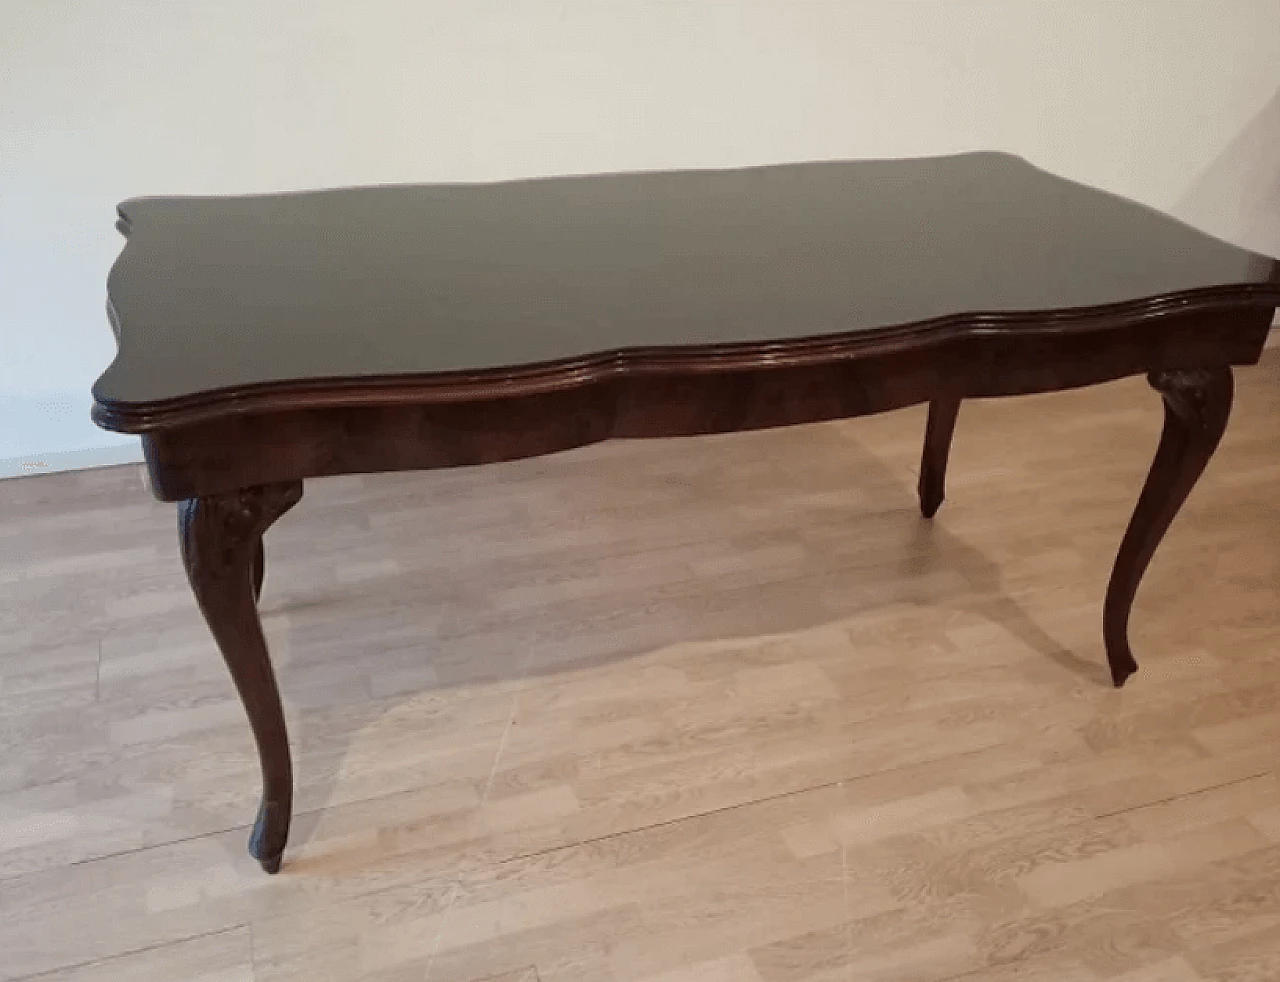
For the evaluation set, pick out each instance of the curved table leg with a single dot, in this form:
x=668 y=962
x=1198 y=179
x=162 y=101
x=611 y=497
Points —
x=221 y=538
x=937 y=447
x=1196 y=406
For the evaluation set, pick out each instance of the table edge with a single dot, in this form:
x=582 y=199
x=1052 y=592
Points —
x=535 y=378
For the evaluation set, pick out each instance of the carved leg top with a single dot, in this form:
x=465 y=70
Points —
x=1200 y=397
x=221 y=531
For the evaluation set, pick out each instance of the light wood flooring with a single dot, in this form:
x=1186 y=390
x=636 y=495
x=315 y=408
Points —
x=707 y=710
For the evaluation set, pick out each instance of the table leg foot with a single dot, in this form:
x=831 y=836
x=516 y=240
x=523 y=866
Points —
x=271 y=864
x=221 y=538
x=937 y=448
x=1122 y=665
x=1197 y=404
x=270 y=832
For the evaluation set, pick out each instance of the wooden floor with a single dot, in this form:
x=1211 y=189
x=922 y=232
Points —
x=718 y=709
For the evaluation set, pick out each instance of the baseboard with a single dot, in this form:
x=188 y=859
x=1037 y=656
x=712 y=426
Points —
x=71 y=460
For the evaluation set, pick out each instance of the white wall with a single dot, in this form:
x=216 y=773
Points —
x=1173 y=102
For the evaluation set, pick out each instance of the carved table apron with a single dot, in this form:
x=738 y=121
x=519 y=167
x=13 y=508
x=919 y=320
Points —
x=268 y=339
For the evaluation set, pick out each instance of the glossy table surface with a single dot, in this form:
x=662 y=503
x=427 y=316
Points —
x=223 y=293
x=268 y=340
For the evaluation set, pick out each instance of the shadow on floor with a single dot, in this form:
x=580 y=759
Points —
x=612 y=552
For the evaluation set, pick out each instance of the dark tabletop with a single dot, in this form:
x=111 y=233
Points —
x=223 y=292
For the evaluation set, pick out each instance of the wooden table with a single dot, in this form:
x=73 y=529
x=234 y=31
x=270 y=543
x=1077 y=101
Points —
x=267 y=339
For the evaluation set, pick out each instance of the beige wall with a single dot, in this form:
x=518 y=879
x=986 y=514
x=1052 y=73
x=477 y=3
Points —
x=1173 y=102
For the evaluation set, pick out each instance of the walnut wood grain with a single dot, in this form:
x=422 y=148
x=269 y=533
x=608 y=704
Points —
x=221 y=540
x=310 y=434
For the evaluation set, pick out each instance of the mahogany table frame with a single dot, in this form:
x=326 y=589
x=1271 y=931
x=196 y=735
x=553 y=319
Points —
x=236 y=459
